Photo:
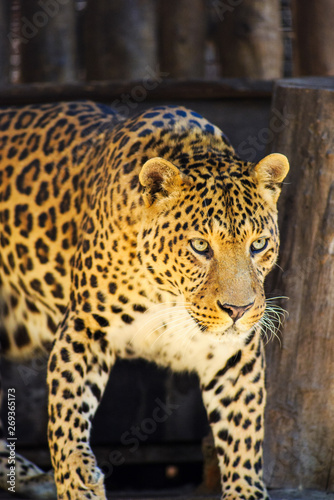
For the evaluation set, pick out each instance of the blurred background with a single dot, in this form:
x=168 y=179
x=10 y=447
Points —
x=220 y=58
x=66 y=41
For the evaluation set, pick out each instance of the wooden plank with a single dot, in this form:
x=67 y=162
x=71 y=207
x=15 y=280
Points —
x=182 y=37
x=120 y=38
x=249 y=38
x=48 y=41
x=154 y=86
x=314 y=37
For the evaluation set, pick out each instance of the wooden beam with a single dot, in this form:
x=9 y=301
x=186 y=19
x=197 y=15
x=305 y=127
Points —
x=153 y=87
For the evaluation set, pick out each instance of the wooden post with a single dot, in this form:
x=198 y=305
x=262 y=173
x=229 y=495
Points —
x=249 y=38
x=120 y=39
x=4 y=41
x=300 y=410
x=48 y=41
x=182 y=37
x=313 y=23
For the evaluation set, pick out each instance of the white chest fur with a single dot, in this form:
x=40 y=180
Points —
x=167 y=335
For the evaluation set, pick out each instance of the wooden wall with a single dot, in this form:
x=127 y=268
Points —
x=98 y=40
x=78 y=40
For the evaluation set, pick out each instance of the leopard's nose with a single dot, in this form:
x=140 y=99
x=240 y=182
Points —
x=235 y=312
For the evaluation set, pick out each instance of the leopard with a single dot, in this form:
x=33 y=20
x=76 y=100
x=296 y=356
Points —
x=135 y=237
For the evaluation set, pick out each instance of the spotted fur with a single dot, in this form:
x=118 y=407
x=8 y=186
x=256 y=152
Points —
x=145 y=237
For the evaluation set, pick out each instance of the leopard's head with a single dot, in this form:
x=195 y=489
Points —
x=209 y=234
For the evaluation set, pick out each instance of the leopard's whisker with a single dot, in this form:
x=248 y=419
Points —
x=283 y=297
x=181 y=330
x=165 y=320
x=271 y=321
x=159 y=314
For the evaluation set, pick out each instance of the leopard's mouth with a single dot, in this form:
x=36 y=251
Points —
x=214 y=328
x=229 y=331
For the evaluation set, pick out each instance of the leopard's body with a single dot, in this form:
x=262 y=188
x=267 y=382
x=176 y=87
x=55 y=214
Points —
x=144 y=237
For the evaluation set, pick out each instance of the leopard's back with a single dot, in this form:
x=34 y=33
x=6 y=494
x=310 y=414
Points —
x=44 y=193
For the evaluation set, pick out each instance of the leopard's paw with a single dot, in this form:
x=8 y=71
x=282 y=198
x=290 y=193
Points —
x=80 y=478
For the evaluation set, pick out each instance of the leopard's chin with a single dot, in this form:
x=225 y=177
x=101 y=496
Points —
x=233 y=333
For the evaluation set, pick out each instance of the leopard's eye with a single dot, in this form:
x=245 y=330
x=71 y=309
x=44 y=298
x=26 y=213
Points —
x=199 y=245
x=259 y=245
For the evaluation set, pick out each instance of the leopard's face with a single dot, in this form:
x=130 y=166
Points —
x=211 y=243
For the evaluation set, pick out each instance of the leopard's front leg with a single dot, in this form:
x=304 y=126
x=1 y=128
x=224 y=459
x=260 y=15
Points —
x=78 y=371
x=234 y=397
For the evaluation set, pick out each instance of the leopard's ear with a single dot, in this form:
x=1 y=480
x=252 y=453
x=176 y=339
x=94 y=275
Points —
x=160 y=178
x=270 y=173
